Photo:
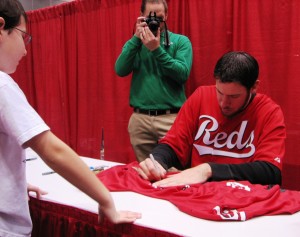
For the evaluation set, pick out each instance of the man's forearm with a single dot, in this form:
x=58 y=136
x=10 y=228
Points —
x=259 y=172
x=165 y=155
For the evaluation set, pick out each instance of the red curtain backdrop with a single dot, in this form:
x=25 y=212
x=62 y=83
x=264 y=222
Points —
x=68 y=74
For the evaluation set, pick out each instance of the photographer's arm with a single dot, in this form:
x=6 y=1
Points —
x=125 y=61
x=178 y=67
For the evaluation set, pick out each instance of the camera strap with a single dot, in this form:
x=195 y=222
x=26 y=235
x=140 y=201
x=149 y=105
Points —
x=167 y=38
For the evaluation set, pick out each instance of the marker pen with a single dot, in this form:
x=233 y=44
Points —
x=29 y=159
x=154 y=163
x=49 y=172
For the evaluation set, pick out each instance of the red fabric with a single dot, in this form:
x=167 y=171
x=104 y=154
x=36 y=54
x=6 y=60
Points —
x=256 y=134
x=55 y=220
x=68 y=74
x=225 y=200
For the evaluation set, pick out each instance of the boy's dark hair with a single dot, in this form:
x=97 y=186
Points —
x=237 y=67
x=11 y=11
x=144 y=2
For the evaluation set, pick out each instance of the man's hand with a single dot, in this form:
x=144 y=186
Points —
x=139 y=26
x=198 y=174
x=150 y=171
x=143 y=32
x=150 y=41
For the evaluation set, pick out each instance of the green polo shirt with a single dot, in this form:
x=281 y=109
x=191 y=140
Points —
x=158 y=77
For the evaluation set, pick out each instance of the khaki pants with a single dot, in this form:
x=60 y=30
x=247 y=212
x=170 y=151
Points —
x=145 y=131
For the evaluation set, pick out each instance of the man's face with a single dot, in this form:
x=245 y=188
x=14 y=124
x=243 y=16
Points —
x=232 y=97
x=159 y=9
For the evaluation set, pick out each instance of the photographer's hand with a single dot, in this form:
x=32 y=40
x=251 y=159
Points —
x=149 y=40
x=140 y=24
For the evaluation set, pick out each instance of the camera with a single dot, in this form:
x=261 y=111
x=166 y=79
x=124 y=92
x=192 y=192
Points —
x=153 y=22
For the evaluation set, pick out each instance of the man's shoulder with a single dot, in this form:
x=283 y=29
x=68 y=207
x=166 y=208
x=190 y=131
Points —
x=178 y=36
x=265 y=104
x=206 y=92
x=265 y=99
x=206 y=89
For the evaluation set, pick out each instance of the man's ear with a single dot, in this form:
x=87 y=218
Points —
x=255 y=86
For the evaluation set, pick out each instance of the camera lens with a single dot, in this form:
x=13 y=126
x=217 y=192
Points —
x=153 y=25
x=153 y=22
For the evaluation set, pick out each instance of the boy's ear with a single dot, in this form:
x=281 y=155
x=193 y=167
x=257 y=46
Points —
x=2 y=23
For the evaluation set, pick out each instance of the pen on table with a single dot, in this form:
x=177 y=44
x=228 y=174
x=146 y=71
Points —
x=49 y=172
x=29 y=159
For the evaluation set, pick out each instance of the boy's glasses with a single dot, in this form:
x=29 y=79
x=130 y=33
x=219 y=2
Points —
x=26 y=37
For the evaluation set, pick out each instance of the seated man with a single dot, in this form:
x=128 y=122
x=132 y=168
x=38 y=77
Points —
x=226 y=131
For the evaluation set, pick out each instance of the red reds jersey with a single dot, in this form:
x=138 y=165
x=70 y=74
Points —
x=201 y=133
x=225 y=200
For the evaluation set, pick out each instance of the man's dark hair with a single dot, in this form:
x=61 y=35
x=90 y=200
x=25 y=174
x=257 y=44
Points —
x=237 y=67
x=11 y=11
x=144 y=2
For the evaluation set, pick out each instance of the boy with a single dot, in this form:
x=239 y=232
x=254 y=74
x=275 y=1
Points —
x=22 y=127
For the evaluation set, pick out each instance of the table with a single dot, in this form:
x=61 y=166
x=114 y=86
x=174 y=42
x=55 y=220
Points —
x=66 y=211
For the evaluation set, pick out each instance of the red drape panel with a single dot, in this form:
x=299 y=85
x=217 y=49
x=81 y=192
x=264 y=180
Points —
x=68 y=74
x=53 y=220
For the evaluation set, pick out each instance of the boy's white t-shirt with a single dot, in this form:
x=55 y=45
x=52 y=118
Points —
x=19 y=122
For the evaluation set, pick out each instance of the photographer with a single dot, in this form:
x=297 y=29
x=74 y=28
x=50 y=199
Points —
x=160 y=62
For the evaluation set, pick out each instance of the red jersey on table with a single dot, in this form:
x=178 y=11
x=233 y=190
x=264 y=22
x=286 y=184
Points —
x=203 y=134
x=220 y=201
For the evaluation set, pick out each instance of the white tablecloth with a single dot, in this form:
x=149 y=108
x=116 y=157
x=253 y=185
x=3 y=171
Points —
x=156 y=213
